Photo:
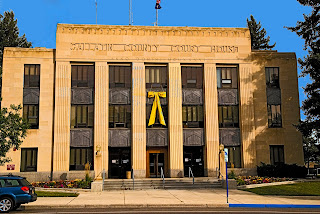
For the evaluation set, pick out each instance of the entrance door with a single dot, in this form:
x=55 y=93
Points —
x=155 y=164
x=119 y=162
x=193 y=157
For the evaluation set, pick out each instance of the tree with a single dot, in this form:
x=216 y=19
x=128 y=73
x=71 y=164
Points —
x=309 y=30
x=259 y=41
x=13 y=129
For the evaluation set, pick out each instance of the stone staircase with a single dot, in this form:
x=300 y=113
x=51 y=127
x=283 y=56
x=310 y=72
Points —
x=157 y=183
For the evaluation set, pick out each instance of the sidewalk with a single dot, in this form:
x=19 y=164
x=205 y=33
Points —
x=169 y=198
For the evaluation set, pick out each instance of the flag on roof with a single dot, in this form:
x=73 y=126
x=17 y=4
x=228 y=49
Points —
x=158 y=5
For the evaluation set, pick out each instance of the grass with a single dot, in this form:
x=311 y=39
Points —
x=56 y=194
x=297 y=189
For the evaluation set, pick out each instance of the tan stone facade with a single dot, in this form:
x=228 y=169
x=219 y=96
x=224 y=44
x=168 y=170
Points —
x=140 y=47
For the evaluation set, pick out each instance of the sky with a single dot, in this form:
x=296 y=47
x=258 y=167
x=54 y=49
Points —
x=38 y=18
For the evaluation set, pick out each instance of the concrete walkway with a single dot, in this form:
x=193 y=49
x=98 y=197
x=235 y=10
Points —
x=168 y=198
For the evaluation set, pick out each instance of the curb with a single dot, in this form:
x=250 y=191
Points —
x=274 y=206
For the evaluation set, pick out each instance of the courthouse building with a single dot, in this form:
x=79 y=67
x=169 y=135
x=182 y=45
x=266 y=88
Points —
x=151 y=98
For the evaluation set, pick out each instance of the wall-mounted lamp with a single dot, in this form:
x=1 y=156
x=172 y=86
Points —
x=98 y=151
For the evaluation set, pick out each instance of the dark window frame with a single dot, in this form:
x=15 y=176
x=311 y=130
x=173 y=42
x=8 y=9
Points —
x=27 y=117
x=192 y=76
x=81 y=165
x=277 y=121
x=221 y=118
x=82 y=76
x=31 y=81
x=126 y=123
x=231 y=77
x=272 y=80
x=163 y=77
x=277 y=154
x=87 y=123
x=193 y=123
x=120 y=76
x=24 y=167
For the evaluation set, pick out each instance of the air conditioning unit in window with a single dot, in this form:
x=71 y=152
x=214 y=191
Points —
x=120 y=125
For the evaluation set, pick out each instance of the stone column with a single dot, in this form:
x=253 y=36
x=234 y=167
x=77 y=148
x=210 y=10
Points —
x=138 y=147
x=247 y=125
x=101 y=118
x=175 y=121
x=62 y=119
x=211 y=120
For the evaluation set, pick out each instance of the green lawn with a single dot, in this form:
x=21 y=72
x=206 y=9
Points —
x=298 y=189
x=56 y=194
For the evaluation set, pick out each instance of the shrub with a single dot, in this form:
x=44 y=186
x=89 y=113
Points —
x=282 y=170
x=232 y=175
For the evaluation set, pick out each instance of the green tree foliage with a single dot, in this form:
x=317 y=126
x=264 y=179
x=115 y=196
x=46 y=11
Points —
x=309 y=30
x=13 y=129
x=259 y=41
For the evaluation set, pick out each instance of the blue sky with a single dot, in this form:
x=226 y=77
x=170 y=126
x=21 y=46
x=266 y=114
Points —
x=38 y=18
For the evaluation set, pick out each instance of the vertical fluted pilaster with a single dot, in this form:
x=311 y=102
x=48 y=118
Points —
x=211 y=119
x=175 y=121
x=62 y=117
x=101 y=116
x=138 y=147
x=247 y=125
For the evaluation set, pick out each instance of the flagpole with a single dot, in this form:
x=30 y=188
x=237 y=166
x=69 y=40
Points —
x=156 y=17
x=96 y=12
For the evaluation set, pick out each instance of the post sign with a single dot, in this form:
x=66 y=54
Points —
x=11 y=166
x=226 y=155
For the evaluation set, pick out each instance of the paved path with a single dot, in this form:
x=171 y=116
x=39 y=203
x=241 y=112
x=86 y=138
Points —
x=150 y=198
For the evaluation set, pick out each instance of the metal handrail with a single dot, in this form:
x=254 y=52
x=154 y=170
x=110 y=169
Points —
x=162 y=176
x=132 y=177
x=103 y=177
x=191 y=173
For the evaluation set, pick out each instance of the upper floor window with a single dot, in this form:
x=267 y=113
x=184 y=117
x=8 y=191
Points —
x=119 y=116
x=31 y=115
x=119 y=76
x=228 y=116
x=31 y=76
x=82 y=76
x=192 y=77
x=156 y=77
x=274 y=116
x=277 y=154
x=272 y=77
x=82 y=116
x=29 y=158
x=192 y=116
x=227 y=77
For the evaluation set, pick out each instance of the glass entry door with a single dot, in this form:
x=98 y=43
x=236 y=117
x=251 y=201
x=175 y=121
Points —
x=119 y=162
x=156 y=161
x=193 y=157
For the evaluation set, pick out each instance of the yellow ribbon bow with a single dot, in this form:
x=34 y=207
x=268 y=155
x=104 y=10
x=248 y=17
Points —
x=156 y=104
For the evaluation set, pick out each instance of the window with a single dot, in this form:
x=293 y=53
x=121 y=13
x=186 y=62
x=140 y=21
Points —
x=277 y=154
x=156 y=77
x=119 y=76
x=234 y=156
x=228 y=116
x=82 y=76
x=79 y=157
x=157 y=124
x=119 y=116
x=191 y=77
x=274 y=116
x=192 y=116
x=29 y=158
x=31 y=115
x=31 y=76
x=227 y=77
x=272 y=77
x=82 y=116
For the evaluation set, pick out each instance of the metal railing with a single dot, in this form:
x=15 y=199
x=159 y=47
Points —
x=132 y=177
x=103 y=177
x=162 y=176
x=191 y=173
